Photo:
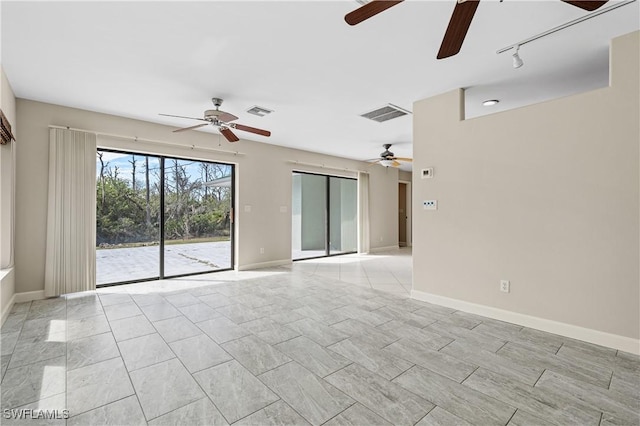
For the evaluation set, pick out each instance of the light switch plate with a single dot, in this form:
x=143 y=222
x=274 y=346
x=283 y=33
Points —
x=427 y=173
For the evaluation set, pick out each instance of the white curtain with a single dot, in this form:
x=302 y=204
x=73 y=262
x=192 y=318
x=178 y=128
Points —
x=363 y=213
x=71 y=219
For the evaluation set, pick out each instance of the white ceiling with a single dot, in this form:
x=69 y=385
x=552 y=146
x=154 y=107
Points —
x=298 y=58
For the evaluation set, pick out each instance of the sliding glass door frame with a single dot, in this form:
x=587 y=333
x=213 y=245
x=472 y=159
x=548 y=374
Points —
x=327 y=218
x=161 y=231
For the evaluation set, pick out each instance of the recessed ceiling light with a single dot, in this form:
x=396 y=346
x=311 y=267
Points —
x=490 y=102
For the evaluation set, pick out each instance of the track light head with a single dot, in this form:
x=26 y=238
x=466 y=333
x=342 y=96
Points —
x=517 y=60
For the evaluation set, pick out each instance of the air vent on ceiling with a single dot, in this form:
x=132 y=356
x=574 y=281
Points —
x=362 y=2
x=385 y=113
x=259 y=111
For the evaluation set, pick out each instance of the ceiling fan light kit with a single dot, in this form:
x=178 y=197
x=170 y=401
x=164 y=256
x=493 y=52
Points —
x=221 y=120
x=389 y=159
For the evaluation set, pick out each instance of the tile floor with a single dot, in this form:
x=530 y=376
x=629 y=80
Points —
x=316 y=343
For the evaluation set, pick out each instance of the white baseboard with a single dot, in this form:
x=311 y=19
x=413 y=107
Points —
x=270 y=264
x=381 y=249
x=615 y=341
x=28 y=296
x=7 y=309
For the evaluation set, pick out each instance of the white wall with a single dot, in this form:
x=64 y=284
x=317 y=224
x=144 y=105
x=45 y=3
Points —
x=546 y=196
x=263 y=182
x=7 y=281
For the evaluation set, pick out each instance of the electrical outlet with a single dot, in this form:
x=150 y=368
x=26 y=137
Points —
x=430 y=204
x=261 y=250
x=505 y=286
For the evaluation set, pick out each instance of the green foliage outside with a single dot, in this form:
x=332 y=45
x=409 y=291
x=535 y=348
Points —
x=128 y=207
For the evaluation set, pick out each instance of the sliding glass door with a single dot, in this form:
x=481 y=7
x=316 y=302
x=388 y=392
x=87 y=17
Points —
x=197 y=217
x=159 y=217
x=324 y=211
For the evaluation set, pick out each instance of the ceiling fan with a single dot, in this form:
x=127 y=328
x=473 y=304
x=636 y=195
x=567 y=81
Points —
x=458 y=24
x=388 y=158
x=222 y=120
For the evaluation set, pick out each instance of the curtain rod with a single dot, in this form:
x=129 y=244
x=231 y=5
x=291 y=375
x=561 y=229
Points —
x=566 y=25
x=324 y=166
x=152 y=141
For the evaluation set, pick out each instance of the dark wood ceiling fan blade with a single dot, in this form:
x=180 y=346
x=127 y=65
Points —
x=228 y=134
x=180 y=116
x=190 y=128
x=457 y=28
x=251 y=129
x=586 y=4
x=368 y=10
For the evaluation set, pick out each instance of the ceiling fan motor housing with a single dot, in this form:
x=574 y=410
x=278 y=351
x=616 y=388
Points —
x=212 y=114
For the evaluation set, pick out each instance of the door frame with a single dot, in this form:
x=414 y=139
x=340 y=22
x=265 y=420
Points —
x=408 y=210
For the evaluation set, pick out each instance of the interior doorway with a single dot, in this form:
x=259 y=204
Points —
x=402 y=214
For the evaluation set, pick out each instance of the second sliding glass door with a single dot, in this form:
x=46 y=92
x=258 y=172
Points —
x=324 y=211
x=161 y=217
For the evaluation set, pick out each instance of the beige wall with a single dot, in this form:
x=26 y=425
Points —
x=7 y=283
x=263 y=182
x=546 y=196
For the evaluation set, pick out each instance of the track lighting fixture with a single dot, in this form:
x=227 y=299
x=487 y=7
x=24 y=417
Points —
x=517 y=60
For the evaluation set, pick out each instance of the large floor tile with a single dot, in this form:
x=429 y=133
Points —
x=85 y=327
x=474 y=354
x=222 y=329
x=159 y=311
x=256 y=355
x=164 y=387
x=550 y=406
x=371 y=358
x=27 y=352
x=144 y=351
x=374 y=336
x=199 y=352
x=389 y=400
x=199 y=312
x=129 y=328
x=90 y=350
x=96 y=385
x=55 y=405
x=312 y=356
x=125 y=411
x=199 y=413
x=177 y=328
x=313 y=398
x=33 y=382
x=423 y=354
x=457 y=399
x=278 y=413
x=357 y=415
x=121 y=310
x=270 y=331
x=318 y=332
x=441 y=417
x=234 y=390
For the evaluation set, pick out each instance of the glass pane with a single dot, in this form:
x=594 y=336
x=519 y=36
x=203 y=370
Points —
x=309 y=206
x=343 y=231
x=197 y=225
x=127 y=217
